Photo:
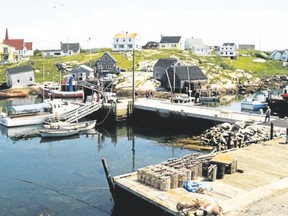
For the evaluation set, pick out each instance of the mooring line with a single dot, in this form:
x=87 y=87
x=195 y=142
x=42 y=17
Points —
x=61 y=193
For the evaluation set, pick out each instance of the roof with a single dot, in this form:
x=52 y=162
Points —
x=70 y=46
x=20 y=69
x=126 y=35
x=165 y=62
x=28 y=45
x=195 y=73
x=17 y=43
x=194 y=42
x=229 y=44
x=170 y=39
x=109 y=55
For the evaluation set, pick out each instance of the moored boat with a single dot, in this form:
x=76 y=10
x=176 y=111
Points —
x=256 y=103
x=13 y=94
x=57 y=132
x=81 y=126
x=31 y=114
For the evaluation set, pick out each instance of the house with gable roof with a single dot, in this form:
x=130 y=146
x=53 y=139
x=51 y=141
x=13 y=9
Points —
x=20 y=76
x=107 y=64
x=228 y=50
x=276 y=55
x=196 y=46
x=126 y=42
x=171 y=42
x=22 y=49
x=70 y=48
x=279 y=55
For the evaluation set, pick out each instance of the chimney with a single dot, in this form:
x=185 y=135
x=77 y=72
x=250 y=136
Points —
x=6 y=36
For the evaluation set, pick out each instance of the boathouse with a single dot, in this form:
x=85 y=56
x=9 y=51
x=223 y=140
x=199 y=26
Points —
x=20 y=76
x=179 y=77
x=107 y=64
x=162 y=65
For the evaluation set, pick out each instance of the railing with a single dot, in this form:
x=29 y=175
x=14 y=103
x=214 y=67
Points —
x=81 y=112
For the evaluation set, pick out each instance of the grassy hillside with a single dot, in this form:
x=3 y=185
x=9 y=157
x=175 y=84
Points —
x=46 y=70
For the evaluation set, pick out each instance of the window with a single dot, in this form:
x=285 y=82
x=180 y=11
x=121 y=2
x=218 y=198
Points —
x=121 y=46
x=116 y=39
x=129 y=39
x=30 y=78
x=130 y=46
x=18 y=81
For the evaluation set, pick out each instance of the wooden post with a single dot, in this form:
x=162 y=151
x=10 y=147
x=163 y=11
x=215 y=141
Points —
x=109 y=179
x=286 y=135
x=271 y=131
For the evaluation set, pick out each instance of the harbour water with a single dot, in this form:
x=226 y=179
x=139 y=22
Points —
x=65 y=177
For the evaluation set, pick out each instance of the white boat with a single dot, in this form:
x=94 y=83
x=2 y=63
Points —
x=256 y=103
x=81 y=126
x=32 y=114
x=57 y=133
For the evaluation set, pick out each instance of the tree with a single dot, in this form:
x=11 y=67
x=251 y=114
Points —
x=37 y=52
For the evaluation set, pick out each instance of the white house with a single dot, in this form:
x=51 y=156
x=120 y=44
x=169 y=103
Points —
x=227 y=50
x=126 y=42
x=197 y=46
x=171 y=42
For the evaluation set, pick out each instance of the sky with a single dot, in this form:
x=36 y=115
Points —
x=93 y=23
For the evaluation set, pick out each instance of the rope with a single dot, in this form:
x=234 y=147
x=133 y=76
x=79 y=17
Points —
x=105 y=116
x=61 y=193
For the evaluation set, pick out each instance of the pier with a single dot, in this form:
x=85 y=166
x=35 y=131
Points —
x=262 y=169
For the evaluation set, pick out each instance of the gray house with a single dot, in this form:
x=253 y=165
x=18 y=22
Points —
x=107 y=64
x=179 y=77
x=20 y=76
x=70 y=48
x=82 y=73
x=162 y=65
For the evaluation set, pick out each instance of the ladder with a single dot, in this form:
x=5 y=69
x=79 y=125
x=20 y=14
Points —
x=81 y=112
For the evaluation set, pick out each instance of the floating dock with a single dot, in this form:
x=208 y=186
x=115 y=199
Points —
x=261 y=170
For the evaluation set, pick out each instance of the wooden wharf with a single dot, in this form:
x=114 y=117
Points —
x=166 y=109
x=262 y=169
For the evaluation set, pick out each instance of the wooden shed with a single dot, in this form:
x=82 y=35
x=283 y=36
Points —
x=20 y=76
x=179 y=77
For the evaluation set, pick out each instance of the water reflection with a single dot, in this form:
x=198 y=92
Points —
x=65 y=177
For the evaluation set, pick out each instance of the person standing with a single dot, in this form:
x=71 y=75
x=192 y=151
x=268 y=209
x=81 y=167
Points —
x=267 y=114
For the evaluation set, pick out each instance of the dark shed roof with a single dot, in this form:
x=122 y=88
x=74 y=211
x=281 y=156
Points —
x=19 y=69
x=195 y=73
x=170 y=39
x=165 y=62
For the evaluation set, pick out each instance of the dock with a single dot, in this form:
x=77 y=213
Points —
x=166 y=109
x=262 y=169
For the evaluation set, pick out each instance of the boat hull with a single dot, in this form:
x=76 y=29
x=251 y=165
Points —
x=57 y=133
x=253 y=106
x=24 y=120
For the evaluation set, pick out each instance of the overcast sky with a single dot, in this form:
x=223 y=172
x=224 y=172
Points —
x=48 y=22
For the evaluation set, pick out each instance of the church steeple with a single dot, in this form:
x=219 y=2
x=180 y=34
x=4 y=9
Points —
x=6 y=36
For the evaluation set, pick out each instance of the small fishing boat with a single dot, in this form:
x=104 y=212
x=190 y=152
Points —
x=256 y=103
x=81 y=126
x=57 y=132
x=13 y=94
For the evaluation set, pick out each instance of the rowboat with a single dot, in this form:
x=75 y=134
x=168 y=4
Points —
x=81 y=126
x=57 y=132
x=13 y=94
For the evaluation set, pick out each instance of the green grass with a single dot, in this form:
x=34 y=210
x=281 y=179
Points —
x=245 y=62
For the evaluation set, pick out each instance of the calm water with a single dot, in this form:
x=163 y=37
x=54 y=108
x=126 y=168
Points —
x=66 y=177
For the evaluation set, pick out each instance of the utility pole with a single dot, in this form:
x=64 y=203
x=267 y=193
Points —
x=133 y=79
